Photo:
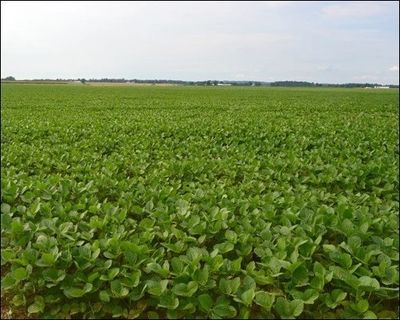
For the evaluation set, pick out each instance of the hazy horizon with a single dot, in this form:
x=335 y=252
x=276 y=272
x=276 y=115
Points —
x=324 y=42
x=203 y=80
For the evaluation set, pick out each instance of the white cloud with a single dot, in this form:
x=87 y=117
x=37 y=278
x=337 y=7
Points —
x=356 y=9
x=394 y=68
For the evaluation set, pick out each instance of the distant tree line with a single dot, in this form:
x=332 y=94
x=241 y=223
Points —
x=179 y=82
x=216 y=82
x=314 y=84
x=292 y=84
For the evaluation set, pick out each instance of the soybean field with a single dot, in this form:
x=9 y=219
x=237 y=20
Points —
x=199 y=202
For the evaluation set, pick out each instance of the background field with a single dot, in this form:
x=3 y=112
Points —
x=188 y=201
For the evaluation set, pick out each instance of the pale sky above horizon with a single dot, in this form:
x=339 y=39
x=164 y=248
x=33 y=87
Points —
x=328 y=42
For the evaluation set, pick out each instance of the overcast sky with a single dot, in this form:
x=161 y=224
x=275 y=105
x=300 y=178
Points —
x=313 y=41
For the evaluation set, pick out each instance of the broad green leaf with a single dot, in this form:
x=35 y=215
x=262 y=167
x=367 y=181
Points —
x=20 y=274
x=289 y=309
x=368 y=283
x=333 y=299
x=74 y=292
x=360 y=306
x=8 y=281
x=370 y=315
x=186 y=290
x=231 y=236
x=205 y=301
x=308 y=296
x=265 y=300
x=224 y=311
x=5 y=208
x=157 y=287
x=103 y=295
x=248 y=296
x=224 y=247
x=47 y=260
x=118 y=289
x=18 y=300
x=37 y=306
x=177 y=265
x=168 y=301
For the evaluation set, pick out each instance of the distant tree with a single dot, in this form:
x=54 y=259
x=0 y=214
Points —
x=83 y=81
x=292 y=84
x=10 y=78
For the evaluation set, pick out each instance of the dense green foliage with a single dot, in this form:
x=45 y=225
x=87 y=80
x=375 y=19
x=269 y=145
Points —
x=199 y=202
